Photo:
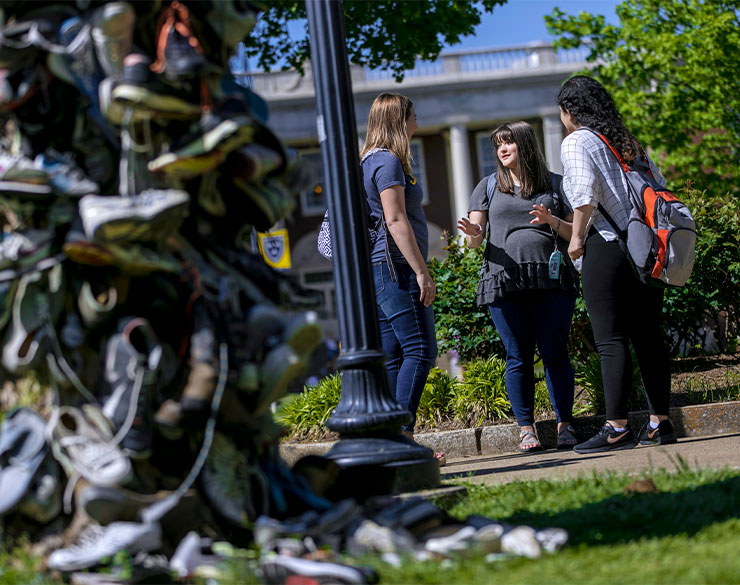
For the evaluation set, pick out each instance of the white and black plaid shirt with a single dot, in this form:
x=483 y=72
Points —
x=592 y=175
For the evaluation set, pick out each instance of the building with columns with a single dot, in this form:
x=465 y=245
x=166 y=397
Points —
x=458 y=100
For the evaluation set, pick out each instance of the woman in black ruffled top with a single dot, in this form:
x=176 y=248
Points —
x=527 y=279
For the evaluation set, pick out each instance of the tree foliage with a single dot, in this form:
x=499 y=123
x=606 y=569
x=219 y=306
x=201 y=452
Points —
x=673 y=69
x=382 y=34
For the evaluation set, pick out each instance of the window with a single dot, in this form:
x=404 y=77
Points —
x=486 y=154
x=417 y=167
x=313 y=199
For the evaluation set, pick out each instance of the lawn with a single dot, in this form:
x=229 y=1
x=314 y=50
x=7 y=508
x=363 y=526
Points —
x=685 y=529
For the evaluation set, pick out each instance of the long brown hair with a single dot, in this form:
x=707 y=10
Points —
x=534 y=175
x=386 y=127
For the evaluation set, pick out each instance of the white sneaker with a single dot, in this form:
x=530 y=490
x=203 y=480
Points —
x=97 y=542
x=83 y=447
x=151 y=216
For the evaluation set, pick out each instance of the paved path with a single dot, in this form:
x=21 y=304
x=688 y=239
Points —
x=714 y=451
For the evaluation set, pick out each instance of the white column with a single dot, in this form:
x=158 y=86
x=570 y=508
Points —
x=462 y=183
x=552 y=128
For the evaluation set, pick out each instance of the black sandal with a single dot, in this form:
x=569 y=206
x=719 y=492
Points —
x=567 y=438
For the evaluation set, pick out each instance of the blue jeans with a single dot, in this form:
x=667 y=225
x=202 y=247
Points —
x=542 y=318
x=406 y=334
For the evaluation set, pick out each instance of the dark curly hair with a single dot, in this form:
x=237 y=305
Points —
x=591 y=105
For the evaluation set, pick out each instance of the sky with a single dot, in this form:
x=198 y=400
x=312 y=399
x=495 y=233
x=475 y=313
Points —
x=522 y=21
x=517 y=22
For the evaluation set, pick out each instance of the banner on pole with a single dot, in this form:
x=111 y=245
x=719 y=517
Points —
x=275 y=248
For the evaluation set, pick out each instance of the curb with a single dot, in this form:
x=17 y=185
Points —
x=689 y=421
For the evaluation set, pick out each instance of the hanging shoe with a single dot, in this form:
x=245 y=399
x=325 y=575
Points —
x=179 y=54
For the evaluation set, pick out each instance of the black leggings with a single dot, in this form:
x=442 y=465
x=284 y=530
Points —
x=622 y=309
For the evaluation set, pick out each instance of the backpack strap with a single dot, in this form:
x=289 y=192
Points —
x=491 y=186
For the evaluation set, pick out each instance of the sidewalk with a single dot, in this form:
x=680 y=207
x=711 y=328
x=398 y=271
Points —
x=709 y=436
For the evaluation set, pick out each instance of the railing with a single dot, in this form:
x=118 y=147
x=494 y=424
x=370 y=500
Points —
x=478 y=62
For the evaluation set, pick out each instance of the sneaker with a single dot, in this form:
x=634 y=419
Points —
x=65 y=177
x=279 y=569
x=192 y=555
x=281 y=366
x=81 y=443
x=131 y=371
x=22 y=452
x=232 y=21
x=255 y=161
x=98 y=542
x=23 y=249
x=179 y=54
x=43 y=501
x=202 y=378
x=106 y=505
x=607 y=439
x=663 y=434
x=112 y=34
x=141 y=89
x=36 y=307
x=97 y=299
x=19 y=176
x=151 y=216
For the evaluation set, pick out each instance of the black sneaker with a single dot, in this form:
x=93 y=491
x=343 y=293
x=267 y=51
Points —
x=607 y=439
x=663 y=434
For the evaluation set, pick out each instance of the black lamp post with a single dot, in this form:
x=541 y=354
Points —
x=375 y=458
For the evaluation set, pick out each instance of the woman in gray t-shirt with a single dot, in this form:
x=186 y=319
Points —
x=527 y=281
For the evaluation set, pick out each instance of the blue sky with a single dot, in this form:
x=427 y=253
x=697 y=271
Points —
x=522 y=21
x=517 y=22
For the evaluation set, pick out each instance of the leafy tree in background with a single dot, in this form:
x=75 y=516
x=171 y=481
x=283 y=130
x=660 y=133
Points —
x=674 y=71
x=382 y=34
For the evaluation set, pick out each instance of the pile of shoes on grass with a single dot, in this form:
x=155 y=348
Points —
x=133 y=173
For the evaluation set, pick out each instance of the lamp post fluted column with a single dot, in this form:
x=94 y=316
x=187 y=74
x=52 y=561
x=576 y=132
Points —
x=372 y=453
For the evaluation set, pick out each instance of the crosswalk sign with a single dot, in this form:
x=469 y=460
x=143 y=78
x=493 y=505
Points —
x=275 y=248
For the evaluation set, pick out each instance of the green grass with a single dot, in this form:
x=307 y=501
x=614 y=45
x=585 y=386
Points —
x=687 y=532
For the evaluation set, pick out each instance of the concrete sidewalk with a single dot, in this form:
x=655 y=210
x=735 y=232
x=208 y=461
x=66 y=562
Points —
x=711 y=451
x=709 y=437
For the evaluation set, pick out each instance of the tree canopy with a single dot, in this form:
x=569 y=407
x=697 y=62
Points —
x=674 y=71
x=383 y=34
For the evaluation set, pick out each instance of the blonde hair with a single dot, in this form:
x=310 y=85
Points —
x=386 y=127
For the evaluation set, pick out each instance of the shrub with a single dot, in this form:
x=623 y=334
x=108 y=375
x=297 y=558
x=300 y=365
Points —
x=482 y=393
x=305 y=414
x=437 y=399
x=460 y=323
x=588 y=376
x=713 y=291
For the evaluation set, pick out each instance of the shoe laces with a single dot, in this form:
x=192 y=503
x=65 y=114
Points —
x=176 y=16
x=89 y=538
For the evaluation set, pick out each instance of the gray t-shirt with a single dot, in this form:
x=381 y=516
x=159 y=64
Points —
x=517 y=252
x=380 y=171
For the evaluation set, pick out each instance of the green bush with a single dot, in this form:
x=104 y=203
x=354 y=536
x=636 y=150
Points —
x=437 y=399
x=460 y=323
x=713 y=291
x=482 y=396
x=305 y=414
x=588 y=376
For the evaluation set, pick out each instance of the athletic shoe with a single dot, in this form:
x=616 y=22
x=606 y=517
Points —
x=141 y=89
x=232 y=21
x=151 y=216
x=81 y=443
x=106 y=505
x=98 y=542
x=202 y=378
x=133 y=358
x=65 y=177
x=17 y=87
x=607 y=439
x=179 y=54
x=192 y=555
x=255 y=161
x=22 y=452
x=112 y=34
x=279 y=569
x=19 y=176
x=23 y=249
x=43 y=501
x=37 y=304
x=96 y=300
x=663 y=434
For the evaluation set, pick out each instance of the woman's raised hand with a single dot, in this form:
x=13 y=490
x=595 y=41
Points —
x=469 y=229
x=541 y=214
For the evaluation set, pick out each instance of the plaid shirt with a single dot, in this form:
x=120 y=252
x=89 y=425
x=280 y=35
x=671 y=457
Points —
x=592 y=175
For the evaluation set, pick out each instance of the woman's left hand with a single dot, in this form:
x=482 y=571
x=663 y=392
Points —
x=541 y=214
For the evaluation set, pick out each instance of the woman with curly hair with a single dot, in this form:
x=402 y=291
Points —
x=528 y=223
x=621 y=308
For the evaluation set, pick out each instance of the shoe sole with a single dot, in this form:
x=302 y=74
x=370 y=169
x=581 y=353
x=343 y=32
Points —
x=138 y=97
x=670 y=441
